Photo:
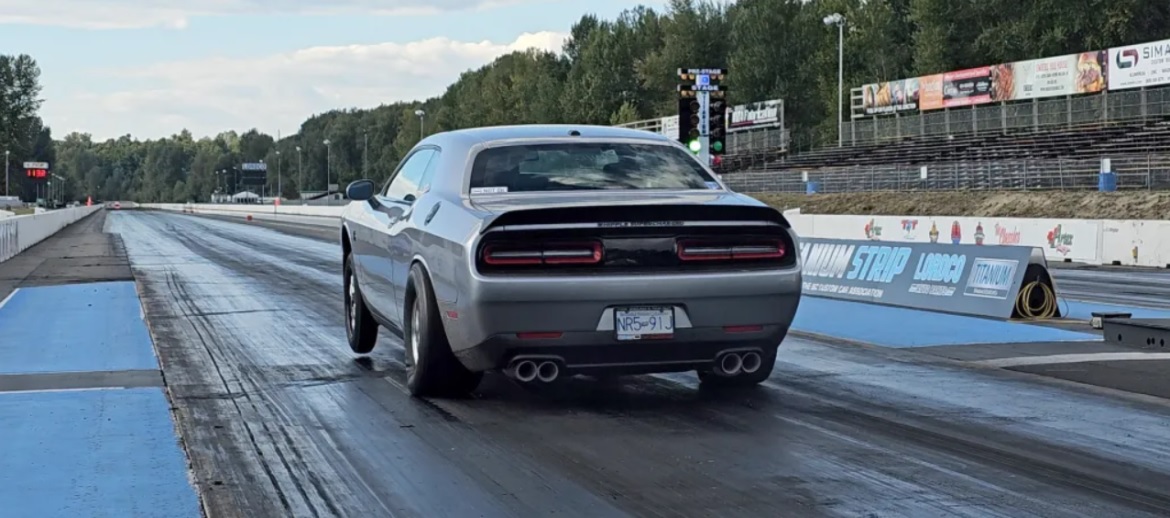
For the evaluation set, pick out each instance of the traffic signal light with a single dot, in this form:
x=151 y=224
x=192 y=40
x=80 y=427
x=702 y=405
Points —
x=688 y=123
x=717 y=126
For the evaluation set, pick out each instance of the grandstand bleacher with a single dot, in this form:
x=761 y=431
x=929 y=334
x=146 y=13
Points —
x=1051 y=158
x=1083 y=142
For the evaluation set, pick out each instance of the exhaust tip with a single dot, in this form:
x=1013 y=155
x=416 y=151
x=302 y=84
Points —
x=730 y=364
x=751 y=362
x=548 y=371
x=526 y=371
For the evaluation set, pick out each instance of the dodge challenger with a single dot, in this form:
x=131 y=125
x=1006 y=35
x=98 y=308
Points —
x=544 y=251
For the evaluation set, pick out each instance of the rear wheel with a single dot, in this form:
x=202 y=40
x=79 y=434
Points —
x=360 y=327
x=433 y=370
x=767 y=363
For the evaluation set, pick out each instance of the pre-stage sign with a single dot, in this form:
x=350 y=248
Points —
x=965 y=279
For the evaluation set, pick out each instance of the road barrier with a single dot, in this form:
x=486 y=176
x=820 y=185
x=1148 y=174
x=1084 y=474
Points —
x=295 y=214
x=998 y=281
x=19 y=233
x=1089 y=241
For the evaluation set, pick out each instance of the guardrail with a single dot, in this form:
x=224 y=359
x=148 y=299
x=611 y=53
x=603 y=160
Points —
x=1096 y=241
x=19 y=233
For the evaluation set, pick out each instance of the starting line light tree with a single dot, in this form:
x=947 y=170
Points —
x=702 y=111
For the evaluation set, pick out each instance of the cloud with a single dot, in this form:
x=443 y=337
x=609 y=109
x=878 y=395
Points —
x=176 y=14
x=276 y=92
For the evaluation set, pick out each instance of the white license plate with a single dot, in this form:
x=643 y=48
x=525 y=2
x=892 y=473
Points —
x=644 y=323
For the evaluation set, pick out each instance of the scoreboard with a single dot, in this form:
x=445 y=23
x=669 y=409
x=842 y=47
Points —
x=37 y=171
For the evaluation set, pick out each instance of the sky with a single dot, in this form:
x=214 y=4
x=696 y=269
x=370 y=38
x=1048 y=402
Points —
x=150 y=68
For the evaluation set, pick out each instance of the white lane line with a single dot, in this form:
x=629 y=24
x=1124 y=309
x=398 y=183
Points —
x=8 y=298
x=1056 y=359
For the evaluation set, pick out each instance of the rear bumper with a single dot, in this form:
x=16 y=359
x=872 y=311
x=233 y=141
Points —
x=484 y=327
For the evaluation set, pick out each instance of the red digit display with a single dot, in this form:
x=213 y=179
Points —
x=37 y=174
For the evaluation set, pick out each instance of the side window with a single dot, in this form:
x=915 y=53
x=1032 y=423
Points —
x=429 y=174
x=410 y=175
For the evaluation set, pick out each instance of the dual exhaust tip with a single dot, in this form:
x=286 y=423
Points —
x=732 y=364
x=527 y=371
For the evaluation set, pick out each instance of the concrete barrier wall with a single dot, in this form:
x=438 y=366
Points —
x=1124 y=242
x=19 y=233
x=297 y=214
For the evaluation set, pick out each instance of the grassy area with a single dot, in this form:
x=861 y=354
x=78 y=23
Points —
x=21 y=211
x=1039 y=204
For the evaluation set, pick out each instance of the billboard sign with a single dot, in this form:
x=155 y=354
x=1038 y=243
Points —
x=1049 y=77
x=760 y=114
x=253 y=173
x=963 y=279
x=1135 y=66
x=890 y=96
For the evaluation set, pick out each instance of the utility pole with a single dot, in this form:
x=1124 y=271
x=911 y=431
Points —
x=6 y=153
x=365 y=154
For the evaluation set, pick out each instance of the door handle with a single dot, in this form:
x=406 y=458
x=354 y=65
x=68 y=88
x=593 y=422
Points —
x=431 y=214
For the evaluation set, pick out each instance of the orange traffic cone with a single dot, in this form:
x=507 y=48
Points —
x=89 y=201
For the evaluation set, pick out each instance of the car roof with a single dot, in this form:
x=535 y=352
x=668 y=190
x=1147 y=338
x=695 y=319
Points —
x=541 y=131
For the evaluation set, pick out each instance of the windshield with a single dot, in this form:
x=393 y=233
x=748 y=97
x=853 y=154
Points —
x=586 y=166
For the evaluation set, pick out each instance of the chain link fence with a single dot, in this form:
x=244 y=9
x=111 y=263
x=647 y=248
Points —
x=1134 y=171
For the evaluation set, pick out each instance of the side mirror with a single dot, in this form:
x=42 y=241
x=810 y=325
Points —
x=360 y=190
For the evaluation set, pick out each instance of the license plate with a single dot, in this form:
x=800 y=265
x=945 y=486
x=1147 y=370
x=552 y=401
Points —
x=644 y=323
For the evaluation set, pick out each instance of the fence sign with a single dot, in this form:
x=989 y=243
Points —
x=965 y=279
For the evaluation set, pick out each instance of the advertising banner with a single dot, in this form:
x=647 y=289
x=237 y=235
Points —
x=962 y=279
x=760 y=114
x=967 y=87
x=1049 y=77
x=1135 y=66
x=890 y=97
x=1060 y=239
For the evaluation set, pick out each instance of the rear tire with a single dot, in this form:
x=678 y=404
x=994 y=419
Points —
x=361 y=329
x=708 y=379
x=433 y=369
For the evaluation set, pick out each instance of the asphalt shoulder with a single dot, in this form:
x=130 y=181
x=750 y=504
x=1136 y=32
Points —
x=80 y=253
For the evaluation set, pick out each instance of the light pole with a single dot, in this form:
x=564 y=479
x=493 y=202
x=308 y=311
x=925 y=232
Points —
x=839 y=20
x=328 y=162
x=279 y=183
x=6 y=153
x=421 y=122
x=365 y=154
x=300 y=170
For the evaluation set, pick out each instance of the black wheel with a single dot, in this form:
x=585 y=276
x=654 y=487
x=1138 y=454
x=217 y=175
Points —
x=433 y=370
x=360 y=327
x=767 y=363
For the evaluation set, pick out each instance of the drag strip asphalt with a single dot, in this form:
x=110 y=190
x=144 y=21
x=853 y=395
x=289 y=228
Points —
x=279 y=418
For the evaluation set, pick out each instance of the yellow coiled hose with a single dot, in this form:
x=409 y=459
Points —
x=1047 y=307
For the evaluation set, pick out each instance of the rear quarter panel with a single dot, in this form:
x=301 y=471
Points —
x=441 y=246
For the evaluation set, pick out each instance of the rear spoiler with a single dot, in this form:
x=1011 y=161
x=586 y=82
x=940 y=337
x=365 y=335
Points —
x=638 y=215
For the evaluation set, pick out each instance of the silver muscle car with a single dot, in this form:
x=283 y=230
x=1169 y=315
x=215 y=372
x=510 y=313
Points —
x=549 y=250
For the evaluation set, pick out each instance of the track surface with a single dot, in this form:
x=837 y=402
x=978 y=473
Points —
x=280 y=419
x=1121 y=286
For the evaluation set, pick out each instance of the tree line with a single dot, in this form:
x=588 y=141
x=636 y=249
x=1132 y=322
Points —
x=608 y=72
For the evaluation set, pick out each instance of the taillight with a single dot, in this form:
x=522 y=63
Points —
x=722 y=250
x=550 y=253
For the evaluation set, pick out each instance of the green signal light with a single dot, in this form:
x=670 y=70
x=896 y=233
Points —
x=694 y=146
x=717 y=146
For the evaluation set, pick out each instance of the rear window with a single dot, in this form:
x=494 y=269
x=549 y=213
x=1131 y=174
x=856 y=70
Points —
x=586 y=166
